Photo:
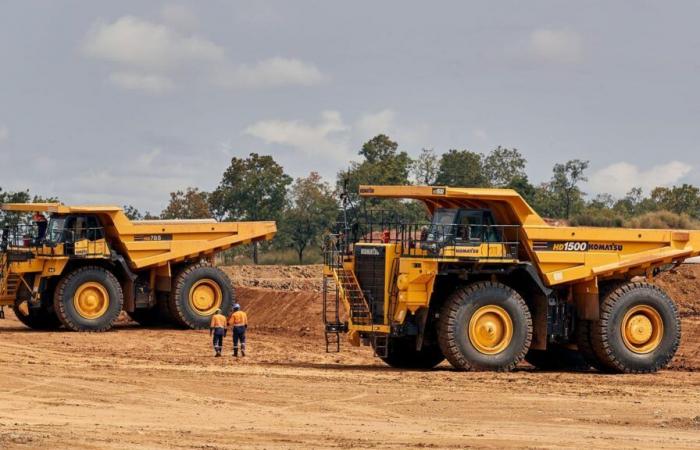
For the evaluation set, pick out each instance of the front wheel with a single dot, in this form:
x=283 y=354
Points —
x=485 y=326
x=88 y=299
x=199 y=290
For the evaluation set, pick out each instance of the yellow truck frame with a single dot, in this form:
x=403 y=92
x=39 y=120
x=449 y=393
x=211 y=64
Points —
x=88 y=263
x=501 y=286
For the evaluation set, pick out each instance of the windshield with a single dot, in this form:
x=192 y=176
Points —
x=55 y=230
x=442 y=227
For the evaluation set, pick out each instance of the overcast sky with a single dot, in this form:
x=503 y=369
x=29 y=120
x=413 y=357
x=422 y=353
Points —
x=123 y=102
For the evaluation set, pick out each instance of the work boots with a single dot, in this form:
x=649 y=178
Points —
x=235 y=353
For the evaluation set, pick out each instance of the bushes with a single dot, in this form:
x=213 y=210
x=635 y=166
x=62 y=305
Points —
x=663 y=219
x=598 y=218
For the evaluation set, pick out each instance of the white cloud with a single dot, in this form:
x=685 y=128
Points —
x=328 y=137
x=4 y=133
x=331 y=136
x=617 y=179
x=139 y=43
x=269 y=73
x=149 y=83
x=151 y=57
x=180 y=17
x=372 y=124
x=384 y=122
x=556 y=46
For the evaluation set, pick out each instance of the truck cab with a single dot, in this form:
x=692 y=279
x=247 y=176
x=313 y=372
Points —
x=76 y=235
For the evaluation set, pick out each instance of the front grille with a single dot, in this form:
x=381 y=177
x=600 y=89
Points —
x=369 y=270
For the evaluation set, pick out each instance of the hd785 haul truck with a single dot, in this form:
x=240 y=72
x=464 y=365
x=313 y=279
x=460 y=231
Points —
x=87 y=264
x=488 y=282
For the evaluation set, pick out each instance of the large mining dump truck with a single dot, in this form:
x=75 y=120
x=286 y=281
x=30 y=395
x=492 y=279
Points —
x=487 y=283
x=84 y=265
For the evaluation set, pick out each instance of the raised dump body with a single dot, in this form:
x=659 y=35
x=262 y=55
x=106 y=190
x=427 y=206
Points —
x=82 y=265
x=487 y=282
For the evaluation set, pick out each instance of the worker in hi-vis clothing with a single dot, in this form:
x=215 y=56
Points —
x=218 y=329
x=239 y=323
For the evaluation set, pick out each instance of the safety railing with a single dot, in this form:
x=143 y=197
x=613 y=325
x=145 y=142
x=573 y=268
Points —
x=24 y=241
x=442 y=240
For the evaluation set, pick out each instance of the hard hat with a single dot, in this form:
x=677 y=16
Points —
x=236 y=306
x=218 y=311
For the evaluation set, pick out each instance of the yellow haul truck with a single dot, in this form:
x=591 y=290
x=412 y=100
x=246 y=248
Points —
x=85 y=265
x=487 y=283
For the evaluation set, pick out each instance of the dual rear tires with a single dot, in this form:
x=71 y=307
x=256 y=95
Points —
x=638 y=331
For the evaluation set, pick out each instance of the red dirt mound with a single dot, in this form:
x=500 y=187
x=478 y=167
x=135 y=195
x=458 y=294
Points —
x=683 y=285
x=277 y=310
x=283 y=278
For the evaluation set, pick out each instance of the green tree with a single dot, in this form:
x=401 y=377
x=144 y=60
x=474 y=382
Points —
x=633 y=203
x=564 y=187
x=424 y=168
x=677 y=199
x=252 y=188
x=382 y=164
x=503 y=165
x=312 y=211
x=191 y=204
x=132 y=212
x=461 y=168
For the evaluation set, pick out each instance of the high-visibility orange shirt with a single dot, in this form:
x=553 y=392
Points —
x=238 y=319
x=218 y=321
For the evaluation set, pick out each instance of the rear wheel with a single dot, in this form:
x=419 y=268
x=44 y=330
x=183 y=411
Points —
x=88 y=299
x=403 y=354
x=638 y=331
x=199 y=290
x=585 y=345
x=485 y=326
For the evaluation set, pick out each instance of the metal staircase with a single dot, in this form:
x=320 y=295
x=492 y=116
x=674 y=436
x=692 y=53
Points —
x=9 y=282
x=349 y=288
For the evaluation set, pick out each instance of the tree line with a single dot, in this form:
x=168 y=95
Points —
x=256 y=187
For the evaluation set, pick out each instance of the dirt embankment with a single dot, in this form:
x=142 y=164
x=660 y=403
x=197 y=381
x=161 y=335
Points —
x=282 y=278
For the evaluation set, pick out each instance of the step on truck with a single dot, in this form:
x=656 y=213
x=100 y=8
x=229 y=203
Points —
x=487 y=283
x=81 y=266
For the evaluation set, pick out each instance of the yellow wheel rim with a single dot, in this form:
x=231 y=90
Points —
x=205 y=297
x=490 y=329
x=91 y=300
x=642 y=329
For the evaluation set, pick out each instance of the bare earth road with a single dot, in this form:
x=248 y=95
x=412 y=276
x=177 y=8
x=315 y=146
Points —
x=161 y=388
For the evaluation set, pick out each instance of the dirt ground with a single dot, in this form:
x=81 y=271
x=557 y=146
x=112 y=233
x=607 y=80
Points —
x=135 y=387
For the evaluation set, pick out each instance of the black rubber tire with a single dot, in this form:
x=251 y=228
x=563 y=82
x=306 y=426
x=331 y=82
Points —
x=585 y=345
x=403 y=354
x=606 y=334
x=42 y=318
x=179 y=306
x=557 y=358
x=63 y=299
x=454 y=323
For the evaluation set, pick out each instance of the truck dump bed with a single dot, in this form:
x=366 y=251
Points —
x=147 y=243
x=561 y=254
